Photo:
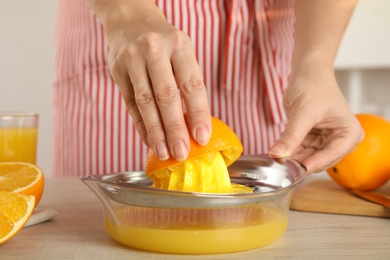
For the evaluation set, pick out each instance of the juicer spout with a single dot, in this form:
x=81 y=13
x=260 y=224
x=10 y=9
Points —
x=98 y=189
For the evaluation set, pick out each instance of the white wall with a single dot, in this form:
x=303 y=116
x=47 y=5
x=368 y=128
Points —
x=367 y=39
x=363 y=62
x=27 y=58
x=26 y=64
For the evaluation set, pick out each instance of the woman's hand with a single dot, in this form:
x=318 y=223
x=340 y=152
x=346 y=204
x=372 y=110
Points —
x=155 y=67
x=321 y=128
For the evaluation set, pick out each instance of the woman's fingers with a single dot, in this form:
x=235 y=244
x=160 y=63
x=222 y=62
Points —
x=298 y=127
x=157 y=72
x=169 y=104
x=123 y=81
x=145 y=112
x=340 y=141
x=190 y=82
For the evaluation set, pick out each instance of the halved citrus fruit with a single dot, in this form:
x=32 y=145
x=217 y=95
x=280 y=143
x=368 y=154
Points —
x=22 y=178
x=15 y=210
x=205 y=169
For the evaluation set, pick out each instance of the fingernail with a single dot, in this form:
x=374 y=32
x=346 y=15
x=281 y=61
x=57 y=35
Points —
x=278 y=149
x=180 y=150
x=202 y=135
x=162 y=150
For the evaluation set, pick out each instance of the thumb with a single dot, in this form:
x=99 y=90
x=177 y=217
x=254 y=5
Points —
x=293 y=135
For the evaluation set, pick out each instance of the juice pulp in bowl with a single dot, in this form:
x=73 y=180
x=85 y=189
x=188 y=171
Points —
x=18 y=144
x=197 y=231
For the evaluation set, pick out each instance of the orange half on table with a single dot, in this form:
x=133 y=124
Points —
x=15 y=210
x=205 y=169
x=22 y=178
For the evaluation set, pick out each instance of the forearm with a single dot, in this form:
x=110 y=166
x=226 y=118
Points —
x=115 y=13
x=319 y=28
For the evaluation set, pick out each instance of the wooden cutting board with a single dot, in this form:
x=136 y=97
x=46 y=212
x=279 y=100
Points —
x=325 y=196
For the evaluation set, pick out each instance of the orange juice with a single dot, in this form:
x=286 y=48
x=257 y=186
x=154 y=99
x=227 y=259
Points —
x=18 y=144
x=203 y=239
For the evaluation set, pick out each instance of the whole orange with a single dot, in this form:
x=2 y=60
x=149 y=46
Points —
x=368 y=166
x=222 y=139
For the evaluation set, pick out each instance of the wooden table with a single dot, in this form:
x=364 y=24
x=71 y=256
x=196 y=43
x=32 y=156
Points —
x=77 y=232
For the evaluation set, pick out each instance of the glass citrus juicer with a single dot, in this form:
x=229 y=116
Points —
x=147 y=218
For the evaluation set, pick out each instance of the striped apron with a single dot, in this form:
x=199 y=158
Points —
x=244 y=51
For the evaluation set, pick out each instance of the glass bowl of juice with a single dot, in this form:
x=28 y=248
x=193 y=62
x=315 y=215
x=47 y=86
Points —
x=166 y=221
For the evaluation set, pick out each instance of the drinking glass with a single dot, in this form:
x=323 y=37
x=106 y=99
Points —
x=18 y=137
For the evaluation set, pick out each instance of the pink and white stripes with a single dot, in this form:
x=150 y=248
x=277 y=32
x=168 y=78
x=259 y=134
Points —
x=243 y=48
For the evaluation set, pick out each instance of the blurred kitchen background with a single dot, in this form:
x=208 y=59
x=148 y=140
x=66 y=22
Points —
x=27 y=62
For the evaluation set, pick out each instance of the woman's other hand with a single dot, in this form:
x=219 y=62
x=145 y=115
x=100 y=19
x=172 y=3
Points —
x=321 y=128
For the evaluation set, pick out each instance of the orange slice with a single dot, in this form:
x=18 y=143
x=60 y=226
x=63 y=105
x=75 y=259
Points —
x=15 y=210
x=205 y=169
x=22 y=178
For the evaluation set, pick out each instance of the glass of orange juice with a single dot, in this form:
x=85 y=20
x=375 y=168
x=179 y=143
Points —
x=18 y=137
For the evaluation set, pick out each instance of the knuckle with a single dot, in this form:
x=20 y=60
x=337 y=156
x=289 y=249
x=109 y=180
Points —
x=199 y=112
x=191 y=85
x=142 y=131
x=144 y=99
x=130 y=52
x=115 y=69
x=154 y=130
x=149 y=41
x=167 y=94
x=131 y=106
x=287 y=136
x=180 y=39
x=176 y=125
x=140 y=126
